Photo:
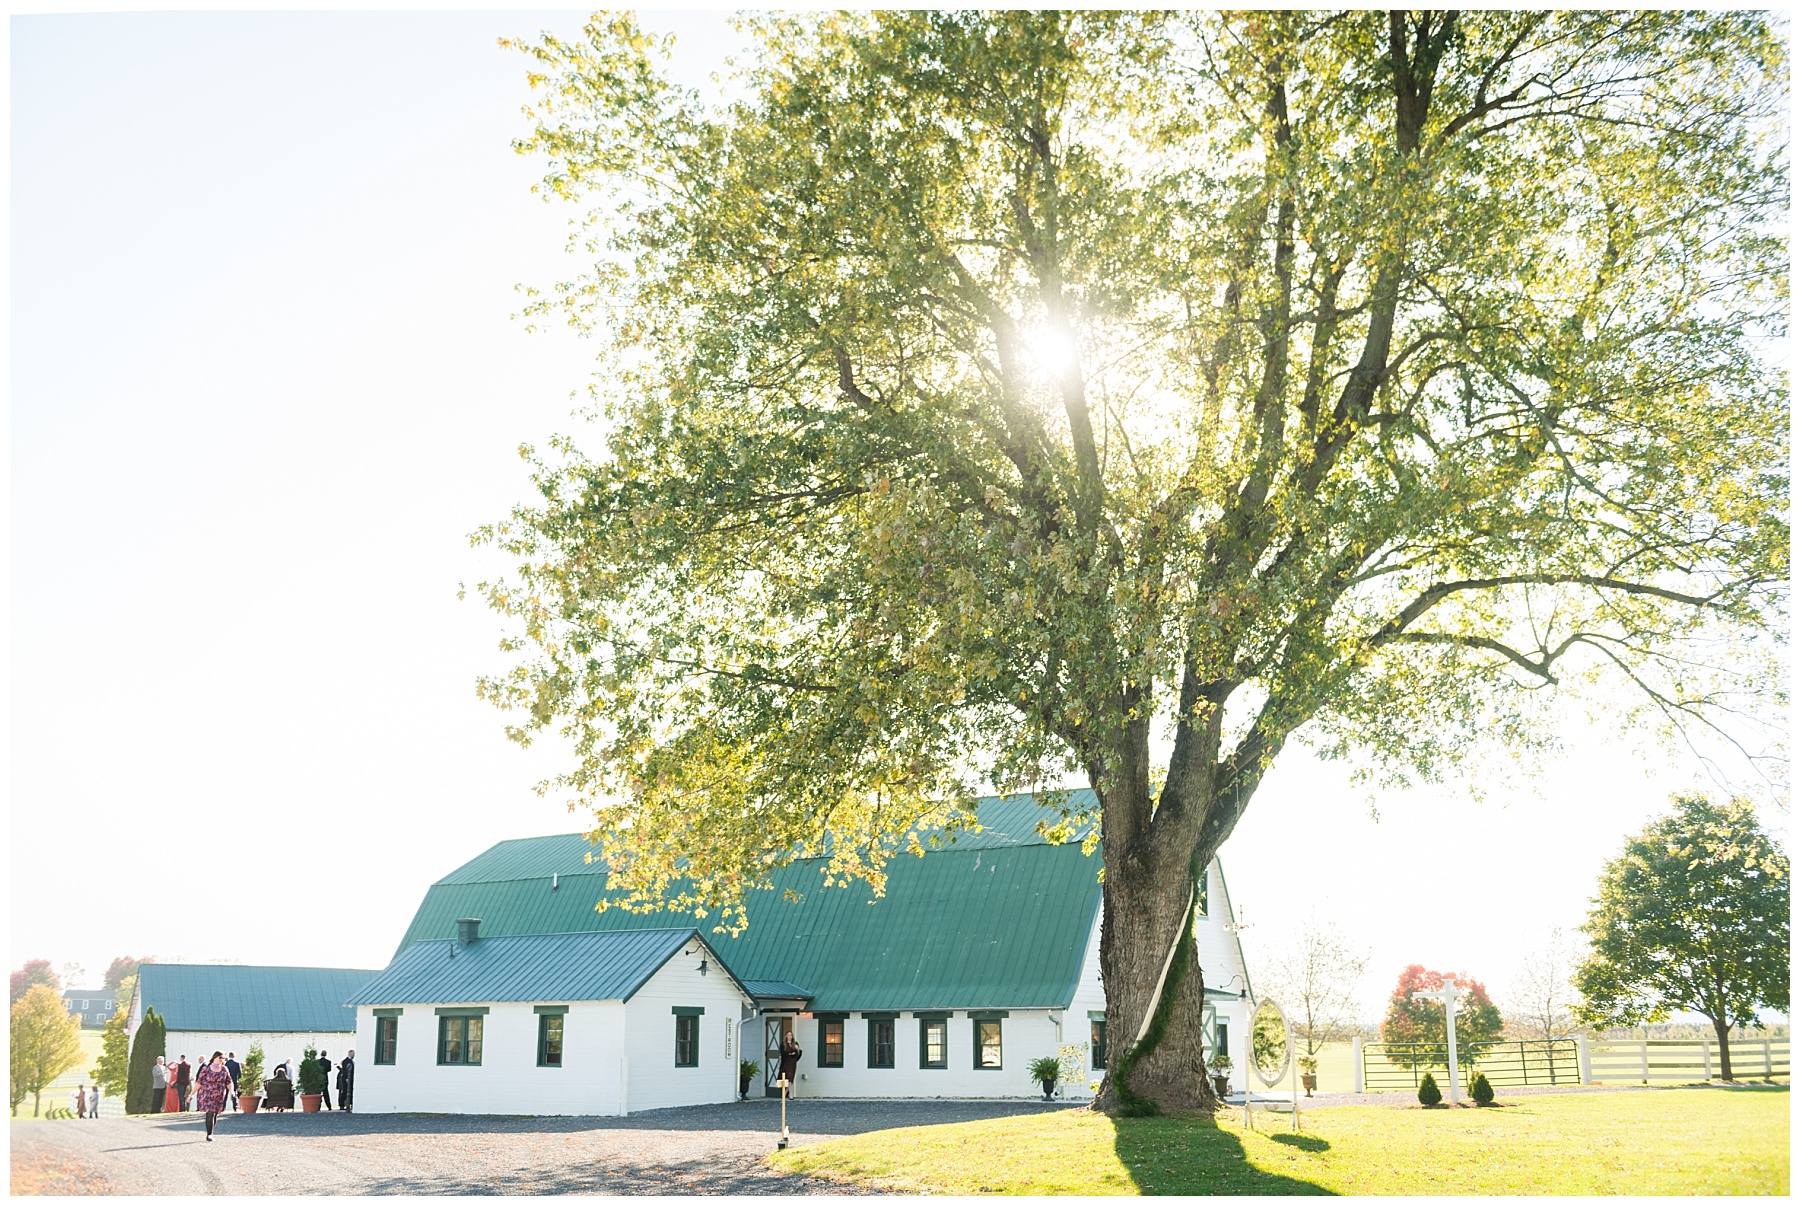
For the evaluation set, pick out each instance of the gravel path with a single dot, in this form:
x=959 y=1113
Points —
x=697 y=1149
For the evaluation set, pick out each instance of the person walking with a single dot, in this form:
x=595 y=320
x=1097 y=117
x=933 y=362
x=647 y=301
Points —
x=184 y=1080
x=159 y=1085
x=324 y=1084
x=81 y=1102
x=214 y=1086
x=790 y=1061
x=94 y=1102
x=237 y=1071
x=346 y=1080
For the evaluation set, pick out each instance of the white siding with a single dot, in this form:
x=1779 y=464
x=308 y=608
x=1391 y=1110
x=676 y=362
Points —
x=655 y=1082
x=616 y=1055
x=1025 y=1034
x=277 y=1046
x=508 y=1080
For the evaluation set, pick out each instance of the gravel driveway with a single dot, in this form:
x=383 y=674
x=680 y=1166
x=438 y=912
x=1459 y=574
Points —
x=697 y=1149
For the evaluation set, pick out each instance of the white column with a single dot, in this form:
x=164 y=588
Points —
x=1356 y=1063
x=1706 y=1058
x=1644 y=1058
x=1768 y=1068
x=1584 y=1063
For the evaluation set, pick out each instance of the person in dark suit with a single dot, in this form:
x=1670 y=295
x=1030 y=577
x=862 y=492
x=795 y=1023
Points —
x=237 y=1071
x=346 y=1081
x=325 y=1083
x=184 y=1080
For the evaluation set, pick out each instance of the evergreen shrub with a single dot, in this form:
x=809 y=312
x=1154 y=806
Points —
x=144 y=1049
x=312 y=1076
x=1481 y=1090
x=1428 y=1091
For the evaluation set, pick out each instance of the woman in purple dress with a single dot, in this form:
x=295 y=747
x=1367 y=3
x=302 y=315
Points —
x=212 y=1087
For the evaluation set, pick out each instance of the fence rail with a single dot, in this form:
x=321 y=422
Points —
x=1379 y=1067
x=1666 y=1061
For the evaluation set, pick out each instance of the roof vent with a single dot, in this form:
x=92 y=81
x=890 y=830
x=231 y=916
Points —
x=468 y=929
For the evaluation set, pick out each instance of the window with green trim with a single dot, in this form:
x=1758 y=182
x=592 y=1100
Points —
x=831 y=1042
x=881 y=1042
x=687 y=1041
x=934 y=1043
x=387 y=1039
x=987 y=1043
x=1097 y=1042
x=459 y=1040
x=550 y=1040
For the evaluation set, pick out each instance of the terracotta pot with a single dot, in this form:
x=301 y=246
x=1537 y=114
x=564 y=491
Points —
x=248 y=1104
x=309 y=1102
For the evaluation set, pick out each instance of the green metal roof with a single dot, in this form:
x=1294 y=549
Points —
x=234 y=998
x=596 y=966
x=997 y=919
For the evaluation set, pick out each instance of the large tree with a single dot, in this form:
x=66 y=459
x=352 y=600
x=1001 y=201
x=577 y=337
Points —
x=1692 y=915
x=989 y=397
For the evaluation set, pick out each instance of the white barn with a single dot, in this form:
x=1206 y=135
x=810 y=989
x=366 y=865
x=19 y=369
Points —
x=207 y=1007
x=981 y=956
x=607 y=1022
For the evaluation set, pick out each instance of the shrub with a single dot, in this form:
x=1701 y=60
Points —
x=312 y=1076
x=1220 y=1063
x=1046 y=1067
x=748 y=1068
x=250 y=1072
x=1428 y=1091
x=144 y=1049
x=1481 y=1090
x=1309 y=1064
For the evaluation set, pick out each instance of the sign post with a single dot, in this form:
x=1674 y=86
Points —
x=784 y=1131
x=1448 y=994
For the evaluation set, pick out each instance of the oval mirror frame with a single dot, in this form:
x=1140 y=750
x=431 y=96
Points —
x=1259 y=1020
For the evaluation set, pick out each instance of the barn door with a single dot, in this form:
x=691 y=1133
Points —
x=774 y=1031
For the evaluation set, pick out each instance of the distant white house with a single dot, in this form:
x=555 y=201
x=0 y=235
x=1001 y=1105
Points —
x=608 y=1022
x=207 y=1007
x=981 y=956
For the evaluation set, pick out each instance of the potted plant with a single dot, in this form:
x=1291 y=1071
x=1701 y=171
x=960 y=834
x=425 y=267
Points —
x=1221 y=1074
x=747 y=1070
x=1309 y=1073
x=250 y=1079
x=312 y=1081
x=1046 y=1070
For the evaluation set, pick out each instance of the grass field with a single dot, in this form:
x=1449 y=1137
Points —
x=81 y=1074
x=1657 y=1141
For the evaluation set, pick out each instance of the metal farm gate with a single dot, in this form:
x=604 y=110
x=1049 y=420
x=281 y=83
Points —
x=1394 y=1066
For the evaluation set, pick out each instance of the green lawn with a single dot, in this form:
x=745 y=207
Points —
x=1658 y=1141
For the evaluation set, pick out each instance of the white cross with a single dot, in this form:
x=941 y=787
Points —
x=1448 y=995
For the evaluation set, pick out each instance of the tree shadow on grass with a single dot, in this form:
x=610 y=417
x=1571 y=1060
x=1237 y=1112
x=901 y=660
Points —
x=1306 y=1143
x=1193 y=1154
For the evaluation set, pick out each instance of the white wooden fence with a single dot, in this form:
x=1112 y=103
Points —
x=1670 y=1061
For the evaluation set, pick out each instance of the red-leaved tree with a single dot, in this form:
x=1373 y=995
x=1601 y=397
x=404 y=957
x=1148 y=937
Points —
x=1422 y=1022
x=35 y=971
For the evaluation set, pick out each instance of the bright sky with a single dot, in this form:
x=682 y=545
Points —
x=265 y=381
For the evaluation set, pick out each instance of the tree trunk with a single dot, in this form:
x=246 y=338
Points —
x=1722 y=1028
x=1147 y=903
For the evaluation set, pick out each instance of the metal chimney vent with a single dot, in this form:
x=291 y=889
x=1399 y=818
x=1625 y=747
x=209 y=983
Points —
x=468 y=929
